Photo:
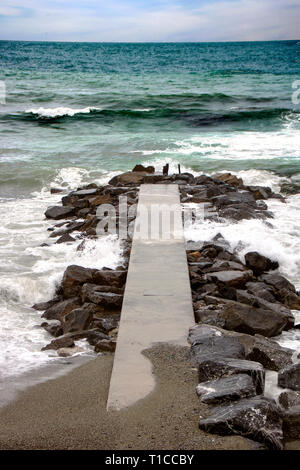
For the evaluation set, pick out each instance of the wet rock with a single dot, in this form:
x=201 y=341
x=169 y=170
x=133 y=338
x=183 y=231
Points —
x=260 y=192
x=238 y=213
x=61 y=342
x=97 y=295
x=95 y=336
x=256 y=418
x=131 y=177
x=228 y=178
x=226 y=389
x=278 y=282
x=231 y=278
x=46 y=305
x=145 y=169
x=92 y=292
x=269 y=353
x=74 y=276
x=246 y=319
x=107 y=324
x=259 y=263
x=107 y=277
x=105 y=346
x=291 y=423
x=54 y=329
x=56 y=190
x=67 y=352
x=210 y=368
x=234 y=198
x=216 y=346
x=98 y=200
x=289 y=399
x=77 y=320
x=65 y=238
x=290 y=377
x=60 y=309
x=260 y=289
x=210 y=315
x=289 y=298
x=59 y=212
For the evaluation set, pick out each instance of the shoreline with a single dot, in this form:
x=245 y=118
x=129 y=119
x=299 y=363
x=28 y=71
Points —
x=228 y=310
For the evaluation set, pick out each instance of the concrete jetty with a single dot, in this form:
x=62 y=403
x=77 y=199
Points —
x=157 y=305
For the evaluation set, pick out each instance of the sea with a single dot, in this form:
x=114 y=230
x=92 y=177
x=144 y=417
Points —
x=75 y=113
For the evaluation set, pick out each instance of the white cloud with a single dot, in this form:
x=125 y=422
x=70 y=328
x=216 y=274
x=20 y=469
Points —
x=126 y=21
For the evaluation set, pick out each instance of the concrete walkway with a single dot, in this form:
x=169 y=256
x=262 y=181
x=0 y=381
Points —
x=157 y=305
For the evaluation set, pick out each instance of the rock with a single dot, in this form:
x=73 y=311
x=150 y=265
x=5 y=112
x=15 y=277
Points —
x=238 y=213
x=256 y=418
x=53 y=329
x=77 y=320
x=107 y=324
x=246 y=319
x=102 y=295
x=60 y=309
x=259 y=263
x=67 y=352
x=289 y=399
x=290 y=377
x=61 y=342
x=95 y=336
x=148 y=169
x=210 y=315
x=210 y=368
x=278 y=282
x=269 y=353
x=260 y=289
x=65 y=238
x=131 y=177
x=226 y=389
x=98 y=200
x=228 y=178
x=233 y=199
x=105 y=346
x=289 y=298
x=59 y=212
x=291 y=423
x=85 y=192
x=46 y=305
x=107 y=277
x=216 y=346
x=260 y=192
x=74 y=276
x=231 y=278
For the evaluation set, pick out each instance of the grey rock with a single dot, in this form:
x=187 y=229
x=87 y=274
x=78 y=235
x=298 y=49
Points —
x=289 y=399
x=59 y=212
x=226 y=389
x=290 y=377
x=256 y=418
x=259 y=263
x=291 y=423
x=77 y=320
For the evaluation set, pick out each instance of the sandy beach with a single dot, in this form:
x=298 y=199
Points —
x=70 y=412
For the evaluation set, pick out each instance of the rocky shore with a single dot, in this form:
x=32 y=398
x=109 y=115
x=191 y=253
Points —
x=240 y=305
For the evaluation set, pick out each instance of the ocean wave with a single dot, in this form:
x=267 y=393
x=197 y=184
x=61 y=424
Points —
x=59 y=112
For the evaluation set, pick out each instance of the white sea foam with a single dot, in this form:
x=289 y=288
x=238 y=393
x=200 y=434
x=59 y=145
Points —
x=30 y=272
x=60 y=111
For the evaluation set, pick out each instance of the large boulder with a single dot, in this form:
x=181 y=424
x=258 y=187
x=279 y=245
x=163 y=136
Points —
x=58 y=310
x=99 y=297
x=278 y=282
x=290 y=377
x=257 y=418
x=59 y=212
x=78 y=319
x=226 y=389
x=105 y=346
x=231 y=278
x=131 y=177
x=216 y=346
x=74 y=276
x=92 y=292
x=269 y=353
x=262 y=290
x=246 y=319
x=228 y=178
x=109 y=277
x=211 y=368
x=145 y=169
x=259 y=263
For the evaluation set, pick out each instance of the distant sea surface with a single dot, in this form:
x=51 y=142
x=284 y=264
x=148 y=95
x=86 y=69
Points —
x=81 y=112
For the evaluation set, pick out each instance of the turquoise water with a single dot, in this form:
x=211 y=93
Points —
x=103 y=107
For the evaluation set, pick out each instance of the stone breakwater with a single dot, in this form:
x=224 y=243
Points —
x=239 y=305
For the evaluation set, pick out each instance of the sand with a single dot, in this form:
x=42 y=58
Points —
x=69 y=412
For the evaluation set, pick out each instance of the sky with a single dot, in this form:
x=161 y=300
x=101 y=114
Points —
x=149 y=20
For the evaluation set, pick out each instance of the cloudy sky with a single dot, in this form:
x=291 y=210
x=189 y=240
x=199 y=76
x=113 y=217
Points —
x=149 y=20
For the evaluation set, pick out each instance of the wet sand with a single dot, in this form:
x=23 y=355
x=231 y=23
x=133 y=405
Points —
x=69 y=412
